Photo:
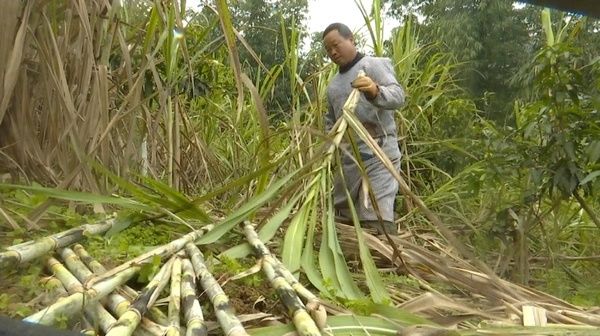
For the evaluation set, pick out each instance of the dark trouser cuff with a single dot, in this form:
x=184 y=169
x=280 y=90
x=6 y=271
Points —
x=390 y=227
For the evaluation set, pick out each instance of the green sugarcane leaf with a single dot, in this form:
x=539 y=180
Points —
x=78 y=196
x=246 y=210
x=327 y=265
x=400 y=315
x=341 y=274
x=340 y=325
x=266 y=233
x=122 y=222
x=294 y=240
x=374 y=282
x=179 y=200
x=308 y=261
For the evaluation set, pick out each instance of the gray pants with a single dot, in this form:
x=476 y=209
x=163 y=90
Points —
x=382 y=183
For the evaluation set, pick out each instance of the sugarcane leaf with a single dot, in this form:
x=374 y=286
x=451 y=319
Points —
x=179 y=200
x=308 y=261
x=400 y=315
x=142 y=194
x=294 y=240
x=266 y=233
x=591 y=176
x=122 y=222
x=78 y=196
x=245 y=210
x=339 y=325
x=327 y=264
x=228 y=31
x=374 y=281
x=334 y=257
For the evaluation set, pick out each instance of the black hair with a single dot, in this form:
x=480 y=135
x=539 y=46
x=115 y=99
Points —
x=341 y=28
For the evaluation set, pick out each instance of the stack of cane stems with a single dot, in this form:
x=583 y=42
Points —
x=224 y=312
x=288 y=288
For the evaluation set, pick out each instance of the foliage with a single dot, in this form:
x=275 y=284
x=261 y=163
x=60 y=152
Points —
x=155 y=109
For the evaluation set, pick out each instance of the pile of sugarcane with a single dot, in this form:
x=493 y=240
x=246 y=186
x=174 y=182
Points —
x=99 y=299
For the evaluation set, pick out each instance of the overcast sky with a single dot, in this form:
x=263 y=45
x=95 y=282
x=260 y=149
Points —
x=323 y=12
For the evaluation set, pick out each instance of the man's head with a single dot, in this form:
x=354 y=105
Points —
x=339 y=43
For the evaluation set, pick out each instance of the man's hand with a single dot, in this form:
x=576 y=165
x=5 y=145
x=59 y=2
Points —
x=367 y=85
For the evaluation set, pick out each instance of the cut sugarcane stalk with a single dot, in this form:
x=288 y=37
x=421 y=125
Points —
x=56 y=289
x=95 y=312
x=175 y=299
x=162 y=251
x=25 y=252
x=96 y=267
x=75 y=265
x=130 y=320
x=223 y=310
x=74 y=303
x=119 y=303
x=313 y=305
x=305 y=326
x=191 y=307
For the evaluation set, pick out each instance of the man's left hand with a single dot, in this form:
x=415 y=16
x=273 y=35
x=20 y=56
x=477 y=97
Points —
x=367 y=85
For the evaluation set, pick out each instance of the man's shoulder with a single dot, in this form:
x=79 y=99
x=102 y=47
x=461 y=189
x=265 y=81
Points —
x=377 y=60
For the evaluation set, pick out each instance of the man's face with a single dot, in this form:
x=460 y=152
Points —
x=341 y=50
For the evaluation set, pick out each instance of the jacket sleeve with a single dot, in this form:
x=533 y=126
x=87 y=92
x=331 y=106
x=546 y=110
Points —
x=329 y=116
x=391 y=94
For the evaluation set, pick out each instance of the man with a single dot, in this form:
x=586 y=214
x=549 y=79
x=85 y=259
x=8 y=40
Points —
x=381 y=96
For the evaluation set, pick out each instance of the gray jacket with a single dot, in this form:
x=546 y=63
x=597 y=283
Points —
x=376 y=115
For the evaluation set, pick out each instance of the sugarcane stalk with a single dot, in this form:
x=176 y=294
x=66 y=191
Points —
x=224 y=312
x=305 y=326
x=94 y=312
x=130 y=320
x=75 y=265
x=162 y=251
x=25 y=252
x=313 y=304
x=191 y=307
x=56 y=289
x=83 y=274
x=175 y=299
x=87 y=328
x=118 y=305
x=76 y=301
x=120 y=308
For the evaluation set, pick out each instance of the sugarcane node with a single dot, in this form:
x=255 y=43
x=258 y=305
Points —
x=141 y=303
x=223 y=305
x=290 y=300
x=51 y=262
x=188 y=299
x=200 y=330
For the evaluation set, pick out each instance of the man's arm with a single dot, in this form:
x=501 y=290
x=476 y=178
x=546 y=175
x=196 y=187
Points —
x=329 y=118
x=381 y=87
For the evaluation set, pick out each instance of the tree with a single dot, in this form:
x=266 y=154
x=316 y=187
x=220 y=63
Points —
x=265 y=24
x=489 y=37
